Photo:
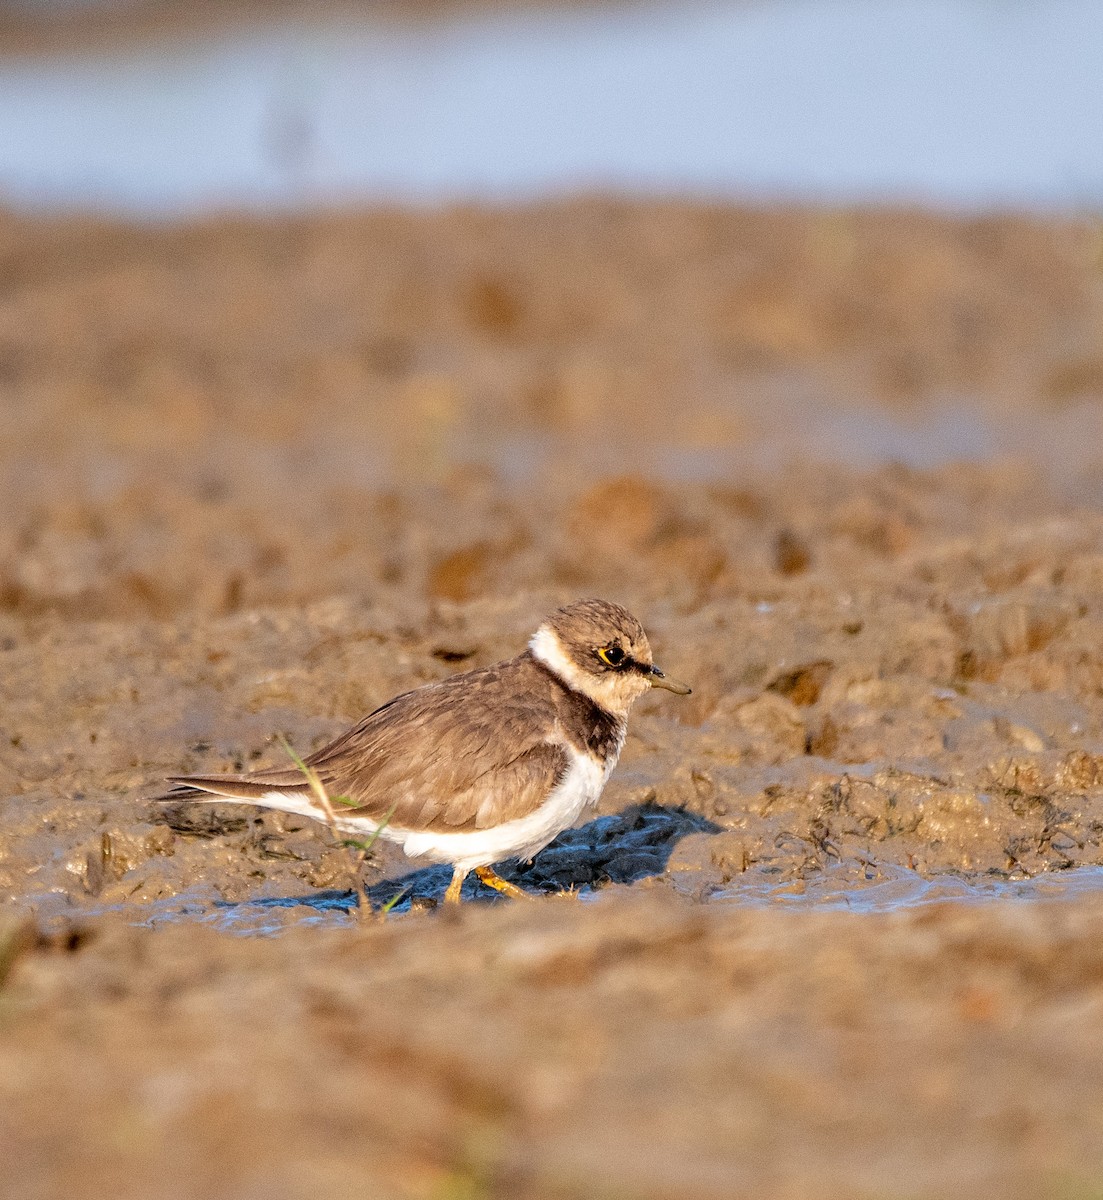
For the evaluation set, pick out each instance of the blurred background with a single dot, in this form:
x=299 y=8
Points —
x=162 y=107
x=262 y=257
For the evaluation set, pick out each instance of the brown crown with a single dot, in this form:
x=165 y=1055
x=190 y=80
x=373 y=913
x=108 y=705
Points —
x=585 y=625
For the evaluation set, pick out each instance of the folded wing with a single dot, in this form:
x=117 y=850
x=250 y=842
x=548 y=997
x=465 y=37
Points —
x=467 y=753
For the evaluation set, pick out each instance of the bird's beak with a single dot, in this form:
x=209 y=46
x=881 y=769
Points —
x=659 y=680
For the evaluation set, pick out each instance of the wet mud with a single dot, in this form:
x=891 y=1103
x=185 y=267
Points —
x=259 y=476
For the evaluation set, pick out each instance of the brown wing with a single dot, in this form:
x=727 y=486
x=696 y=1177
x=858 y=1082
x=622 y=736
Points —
x=468 y=752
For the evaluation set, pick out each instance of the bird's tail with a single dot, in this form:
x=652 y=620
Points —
x=261 y=788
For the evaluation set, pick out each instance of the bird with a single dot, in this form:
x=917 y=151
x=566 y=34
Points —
x=485 y=765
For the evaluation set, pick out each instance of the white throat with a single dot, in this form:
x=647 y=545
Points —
x=614 y=691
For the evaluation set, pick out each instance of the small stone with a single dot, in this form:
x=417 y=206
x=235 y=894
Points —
x=1025 y=737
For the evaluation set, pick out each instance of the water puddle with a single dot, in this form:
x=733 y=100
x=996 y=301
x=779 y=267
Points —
x=613 y=852
x=884 y=889
x=868 y=888
x=972 y=102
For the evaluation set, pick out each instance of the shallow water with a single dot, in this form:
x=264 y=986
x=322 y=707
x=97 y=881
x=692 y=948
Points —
x=940 y=435
x=945 y=101
x=851 y=887
x=886 y=888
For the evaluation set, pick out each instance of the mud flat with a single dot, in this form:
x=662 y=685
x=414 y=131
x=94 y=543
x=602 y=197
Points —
x=260 y=476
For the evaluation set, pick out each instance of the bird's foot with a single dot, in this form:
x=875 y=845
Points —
x=487 y=876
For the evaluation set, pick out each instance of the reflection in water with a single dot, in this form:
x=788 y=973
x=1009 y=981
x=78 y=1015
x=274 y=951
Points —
x=952 y=101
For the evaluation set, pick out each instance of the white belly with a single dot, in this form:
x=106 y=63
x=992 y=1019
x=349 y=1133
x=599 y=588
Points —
x=524 y=837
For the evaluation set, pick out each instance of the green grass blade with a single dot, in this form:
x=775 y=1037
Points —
x=379 y=828
x=393 y=901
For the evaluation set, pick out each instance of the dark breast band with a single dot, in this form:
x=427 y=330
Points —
x=588 y=726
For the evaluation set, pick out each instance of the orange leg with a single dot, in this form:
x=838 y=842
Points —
x=452 y=895
x=487 y=876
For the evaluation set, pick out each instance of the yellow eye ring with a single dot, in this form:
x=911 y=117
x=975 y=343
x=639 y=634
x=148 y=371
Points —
x=611 y=656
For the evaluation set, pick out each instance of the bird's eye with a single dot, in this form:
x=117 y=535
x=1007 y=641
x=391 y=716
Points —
x=612 y=656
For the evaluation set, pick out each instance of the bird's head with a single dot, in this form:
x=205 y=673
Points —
x=600 y=649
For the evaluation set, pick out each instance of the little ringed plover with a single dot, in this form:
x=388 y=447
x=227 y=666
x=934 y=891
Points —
x=485 y=765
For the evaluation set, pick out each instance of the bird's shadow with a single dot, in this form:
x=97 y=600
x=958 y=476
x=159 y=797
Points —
x=623 y=848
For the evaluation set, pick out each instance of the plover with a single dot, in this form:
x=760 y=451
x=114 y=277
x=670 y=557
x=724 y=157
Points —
x=485 y=765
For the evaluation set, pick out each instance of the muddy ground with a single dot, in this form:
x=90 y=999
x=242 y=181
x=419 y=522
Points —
x=258 y=476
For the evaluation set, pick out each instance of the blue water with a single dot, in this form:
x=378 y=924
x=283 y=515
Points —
x=884 y=888
x=957 y=102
